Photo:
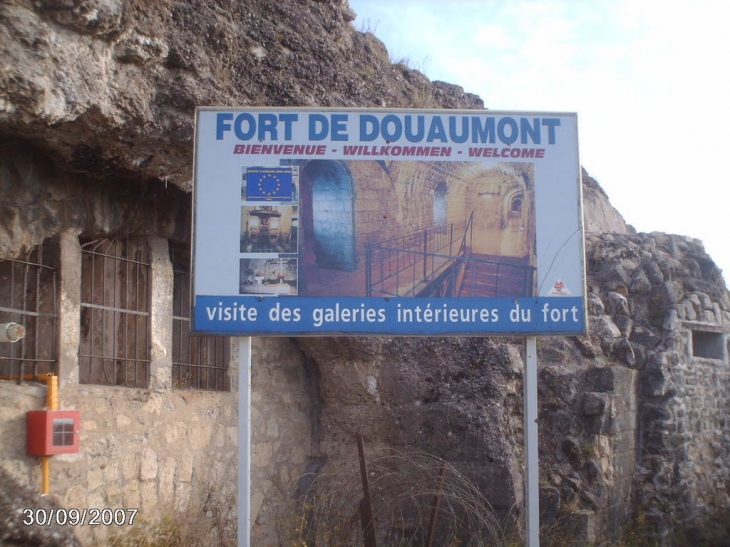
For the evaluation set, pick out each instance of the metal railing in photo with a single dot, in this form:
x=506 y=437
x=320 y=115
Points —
x=417 y=264
x=438 y=262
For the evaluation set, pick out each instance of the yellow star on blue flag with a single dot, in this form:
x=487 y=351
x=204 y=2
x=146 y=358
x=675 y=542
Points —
x=269 y=184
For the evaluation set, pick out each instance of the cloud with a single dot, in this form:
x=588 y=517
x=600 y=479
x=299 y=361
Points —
x=648 y=80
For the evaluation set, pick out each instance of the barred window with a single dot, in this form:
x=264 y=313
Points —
x=198 y=362
x=115 y=312
x=28 y=296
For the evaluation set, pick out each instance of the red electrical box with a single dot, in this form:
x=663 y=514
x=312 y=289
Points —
x=53 y=432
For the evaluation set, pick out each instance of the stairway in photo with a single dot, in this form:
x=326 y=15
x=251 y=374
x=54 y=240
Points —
x=496 y=276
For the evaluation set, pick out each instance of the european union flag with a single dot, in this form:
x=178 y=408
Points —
x=269 y=184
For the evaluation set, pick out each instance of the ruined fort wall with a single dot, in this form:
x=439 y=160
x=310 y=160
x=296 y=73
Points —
x=667 y=299
x=97 y=124
x=171 y=453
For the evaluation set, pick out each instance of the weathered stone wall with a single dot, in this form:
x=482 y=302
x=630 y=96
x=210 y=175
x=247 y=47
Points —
x=454 y=398
x=171 y=453
x=164 y=453
x=631 y=396
x=285 y=412
x=661 y=290
x=156 y=450
x=685 y=435
x=587 y=444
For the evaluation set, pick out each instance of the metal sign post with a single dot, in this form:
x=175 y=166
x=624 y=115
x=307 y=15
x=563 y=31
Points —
x=265 y=179
x=532 y=492
x=244 y=442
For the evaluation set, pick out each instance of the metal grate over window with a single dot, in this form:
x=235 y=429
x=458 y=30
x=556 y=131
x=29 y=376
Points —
x=28 y=296
x=115 y=312
x=198 y=362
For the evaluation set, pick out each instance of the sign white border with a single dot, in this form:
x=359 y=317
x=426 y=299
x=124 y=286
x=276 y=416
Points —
x=228 y=140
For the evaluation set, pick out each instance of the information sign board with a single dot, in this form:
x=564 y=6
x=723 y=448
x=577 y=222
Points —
x=387 y=222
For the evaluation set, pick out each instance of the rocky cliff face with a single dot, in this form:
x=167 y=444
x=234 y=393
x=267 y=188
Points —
x=107 y=90
x=631 y=417
x=100 y=94
x=599 y=215
x=110 y=87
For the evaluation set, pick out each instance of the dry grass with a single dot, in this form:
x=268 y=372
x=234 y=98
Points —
x=404 y=489
x=212 y=525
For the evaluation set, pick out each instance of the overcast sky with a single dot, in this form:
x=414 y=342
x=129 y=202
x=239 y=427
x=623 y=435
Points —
x=648 y=79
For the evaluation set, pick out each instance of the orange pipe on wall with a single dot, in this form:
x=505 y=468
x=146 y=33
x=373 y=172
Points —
x=46 y=474
x=52 y=392
x=52 y=404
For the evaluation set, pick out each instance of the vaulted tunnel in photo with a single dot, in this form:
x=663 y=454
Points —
x=329 y=221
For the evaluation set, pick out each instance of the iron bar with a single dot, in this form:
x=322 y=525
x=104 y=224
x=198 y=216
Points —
x=24 y=305
x=435 y=507
x=366 y=505
x=115 y=296
x=425 y=252
x=29 y=292
x=368 y=275
x=198 y=362
x=114 y=309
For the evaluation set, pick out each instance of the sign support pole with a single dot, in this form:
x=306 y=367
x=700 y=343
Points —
x=532 y=492
x=244 y=442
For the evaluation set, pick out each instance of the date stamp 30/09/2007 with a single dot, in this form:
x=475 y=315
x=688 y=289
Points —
x=79 y=517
